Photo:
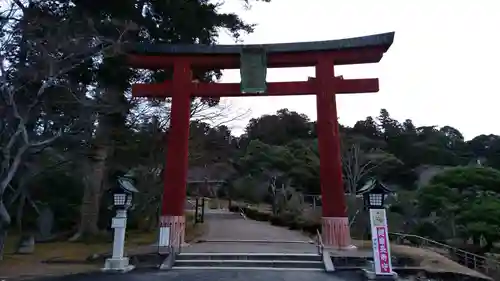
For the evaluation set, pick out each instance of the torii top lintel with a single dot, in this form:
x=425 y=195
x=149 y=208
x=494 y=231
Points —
x=365 y=49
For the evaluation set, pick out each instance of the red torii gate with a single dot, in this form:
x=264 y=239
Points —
x=323 y=55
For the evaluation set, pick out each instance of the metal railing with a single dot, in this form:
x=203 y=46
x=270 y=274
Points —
x=486 y=265
x=319 y=242
x=242 y=212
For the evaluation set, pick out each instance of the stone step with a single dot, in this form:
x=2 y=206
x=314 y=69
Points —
x=250 y=256
x=274 y=261
x=275 y=264
x=245 y=268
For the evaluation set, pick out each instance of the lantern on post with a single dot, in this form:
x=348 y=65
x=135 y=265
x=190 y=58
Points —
x=374 y=195
x=122 y=193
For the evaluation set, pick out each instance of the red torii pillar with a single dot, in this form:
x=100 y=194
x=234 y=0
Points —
x=335 y=221
x=369 y=49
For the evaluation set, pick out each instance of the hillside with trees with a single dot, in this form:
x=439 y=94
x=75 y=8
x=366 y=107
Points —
x=446 y=188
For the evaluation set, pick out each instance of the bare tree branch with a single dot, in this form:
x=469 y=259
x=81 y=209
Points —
x=357 y=164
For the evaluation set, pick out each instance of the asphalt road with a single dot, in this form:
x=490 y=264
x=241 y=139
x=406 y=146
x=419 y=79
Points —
x=211 y=275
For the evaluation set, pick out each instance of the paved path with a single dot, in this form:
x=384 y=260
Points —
x=230 y=232
x=211 y=275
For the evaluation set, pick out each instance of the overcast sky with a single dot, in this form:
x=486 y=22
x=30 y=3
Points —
x=439 y=71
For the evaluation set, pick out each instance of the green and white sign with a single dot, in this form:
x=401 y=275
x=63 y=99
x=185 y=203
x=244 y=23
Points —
x=253 y=70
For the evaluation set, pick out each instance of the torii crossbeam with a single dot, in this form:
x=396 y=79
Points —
x=323 y=55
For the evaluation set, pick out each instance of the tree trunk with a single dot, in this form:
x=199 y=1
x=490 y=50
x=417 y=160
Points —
x=3 y=237
x=453 y=227
x=4 y=224
x=93 y=183
x=111 y=122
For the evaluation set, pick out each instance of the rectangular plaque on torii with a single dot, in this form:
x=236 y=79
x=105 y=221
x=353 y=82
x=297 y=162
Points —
x=253 y=70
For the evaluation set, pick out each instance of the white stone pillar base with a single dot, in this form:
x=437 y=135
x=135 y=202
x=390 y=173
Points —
x=177 y=226
x=117 y=262
x=120 y=265
x=336 y=234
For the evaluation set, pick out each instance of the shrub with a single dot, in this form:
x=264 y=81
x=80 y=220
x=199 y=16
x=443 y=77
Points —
x=277 y=220
x=311 y=227
x=255 y=214
x=251 y=213
x=213 y=204
x=236 y=208
x=265 y=216
x=294 y=225
x=284 y=220
x=297 y=223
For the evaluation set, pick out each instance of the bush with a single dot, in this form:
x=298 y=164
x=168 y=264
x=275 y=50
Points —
x=236 y=208
x=213 y=204
x=251 y=213
x=295 y=225
x=311 y=227
x=265 y=216
x=257 y=215
x=277 y=220
x=286 y=220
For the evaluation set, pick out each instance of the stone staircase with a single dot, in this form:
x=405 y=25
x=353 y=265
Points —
x=268 y=261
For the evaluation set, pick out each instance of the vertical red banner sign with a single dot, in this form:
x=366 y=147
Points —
x=383 y=252
x=380 y=242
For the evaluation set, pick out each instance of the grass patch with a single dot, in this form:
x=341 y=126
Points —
x=14 y=265
x=17 y=265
